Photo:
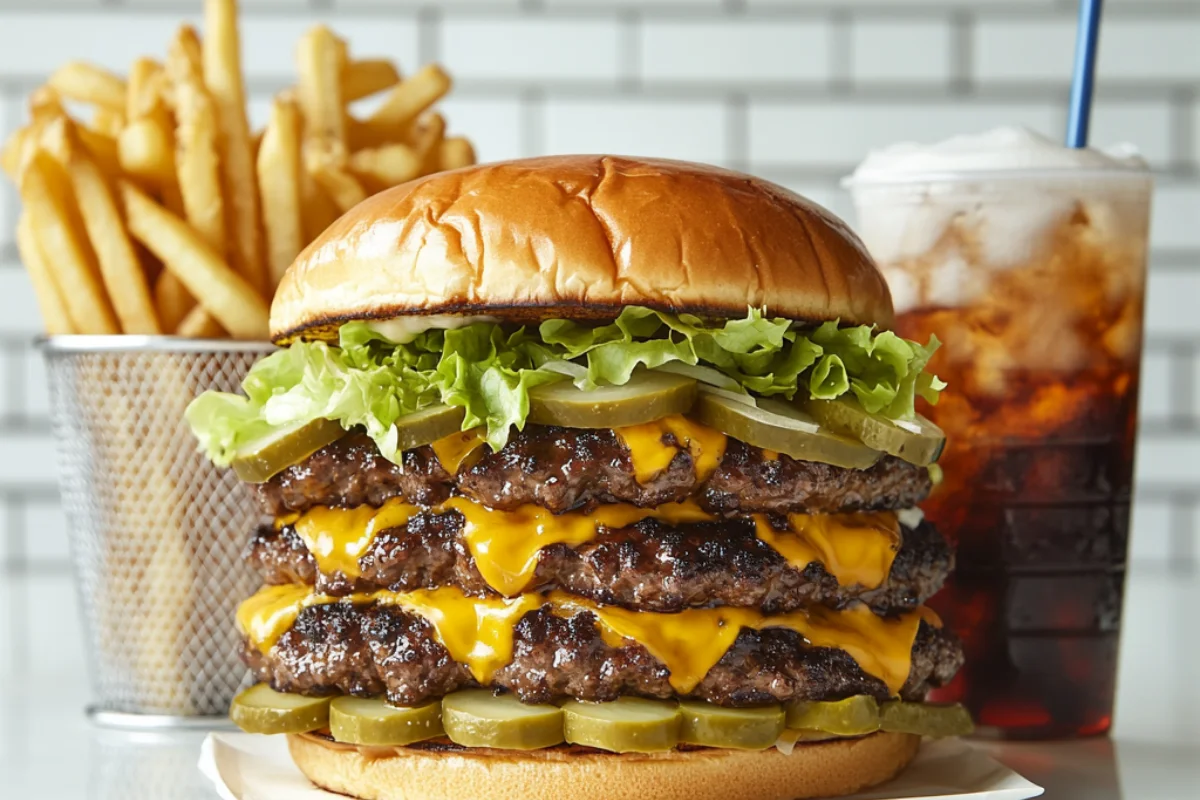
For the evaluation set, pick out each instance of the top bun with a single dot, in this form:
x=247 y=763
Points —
x=581 y=237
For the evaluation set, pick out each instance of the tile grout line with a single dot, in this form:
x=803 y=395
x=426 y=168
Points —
x=841 y=52
x=532 y=122
x=429 y=35
x=629 y=50
x=962 y=53
x=737 y=131
x=1180 y=520
x=1181 y=130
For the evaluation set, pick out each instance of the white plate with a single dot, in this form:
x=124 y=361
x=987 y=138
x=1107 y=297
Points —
x=248 y=767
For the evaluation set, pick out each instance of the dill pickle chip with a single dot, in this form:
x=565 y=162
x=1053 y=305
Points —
x=428 y=425
x=734 y=728
x=917 y=441
x=371 y=721
x=260 y=460
x=646 y=397
x=478 y=718
x=261 y=709
x=625 y=725
x=853 y=716
x=925 y=719
x=779 y=426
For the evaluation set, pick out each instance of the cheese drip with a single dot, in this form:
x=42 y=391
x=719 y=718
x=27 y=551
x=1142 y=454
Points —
x=478 y=632
x=855 y=548
x=506 y=544
x=457 y=449
x=339 y=537
x=651 y=454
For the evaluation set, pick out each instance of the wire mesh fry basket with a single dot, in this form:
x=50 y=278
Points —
x=156 y=531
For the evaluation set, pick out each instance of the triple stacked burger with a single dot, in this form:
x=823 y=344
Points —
x=589 y=476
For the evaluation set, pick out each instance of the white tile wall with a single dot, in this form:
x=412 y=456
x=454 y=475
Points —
x=836 y=133
x=736 y=51
x=794 y=89
x=898 y=50
x=692 y=130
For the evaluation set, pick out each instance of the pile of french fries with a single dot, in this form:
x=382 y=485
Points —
x=162 y=213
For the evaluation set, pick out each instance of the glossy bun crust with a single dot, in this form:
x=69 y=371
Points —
x=580 y=237
x=821 y=769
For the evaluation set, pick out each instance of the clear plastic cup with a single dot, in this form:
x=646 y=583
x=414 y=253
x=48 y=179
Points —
x=1034 y=281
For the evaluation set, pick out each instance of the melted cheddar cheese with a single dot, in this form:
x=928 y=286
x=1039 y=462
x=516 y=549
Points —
x=651 y=454
x=338 y=537
x=457 y=449
x=855 y=548
x=506 y=544
x=479 y=631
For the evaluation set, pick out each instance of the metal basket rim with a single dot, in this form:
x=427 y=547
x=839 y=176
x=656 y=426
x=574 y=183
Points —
x=131 y=343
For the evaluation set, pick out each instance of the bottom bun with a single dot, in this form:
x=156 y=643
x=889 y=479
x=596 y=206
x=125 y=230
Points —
x=818 y=769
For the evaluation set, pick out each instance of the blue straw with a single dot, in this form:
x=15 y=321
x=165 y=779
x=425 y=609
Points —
x=1086 y=45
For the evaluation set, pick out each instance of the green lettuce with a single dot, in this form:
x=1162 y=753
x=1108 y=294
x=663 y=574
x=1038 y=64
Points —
x=488 y=369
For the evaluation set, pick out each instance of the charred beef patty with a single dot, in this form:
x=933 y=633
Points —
x=373 y=650
x=649 y=566
x=567 y=468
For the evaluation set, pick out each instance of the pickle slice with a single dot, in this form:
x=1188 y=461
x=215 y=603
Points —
x=478 y=718
x=734 y=728
x=261 y=709
x=925 y=719
x=625 y=725
x=781 y=427
x=853 y=716
x=260 y=460
x=646 y=397
x=360 y=720
x=428 y=425
x=918 y=441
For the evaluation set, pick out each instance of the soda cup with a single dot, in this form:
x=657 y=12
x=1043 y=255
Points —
x=1028 y=261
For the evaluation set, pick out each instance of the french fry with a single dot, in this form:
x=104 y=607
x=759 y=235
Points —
x=317 y=209
x=45 y=106
x=88 y=83
x=172 y=301
x=145 y=92
x=104 y=149
x=367 y=77
x=427 y=138
x=408 y=99
x=197 y=157
x=108 y=121
x=199 y=324
x=224 y=293
x=319 y=59
x=119 y=265
x=345 y=190
x=223 y=76
x=146 y=151
x=455 y=152
x=16 y=152
x=50 y=206
x=49 y=295
x=279 y=182
x=389 y=165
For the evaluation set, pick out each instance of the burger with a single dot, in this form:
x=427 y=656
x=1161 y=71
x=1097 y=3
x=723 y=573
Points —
x=595 y=477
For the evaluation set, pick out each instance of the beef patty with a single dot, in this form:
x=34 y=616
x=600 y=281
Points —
x=568 y=468
x=648 y=566
x=374 y=650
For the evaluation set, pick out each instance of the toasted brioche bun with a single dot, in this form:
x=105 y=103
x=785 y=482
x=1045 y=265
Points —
x=580 y=237
x=821 y=769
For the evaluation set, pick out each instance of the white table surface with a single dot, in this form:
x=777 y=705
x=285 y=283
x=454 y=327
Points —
x=48 y=749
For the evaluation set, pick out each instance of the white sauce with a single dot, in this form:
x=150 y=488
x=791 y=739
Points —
x=403 y=330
